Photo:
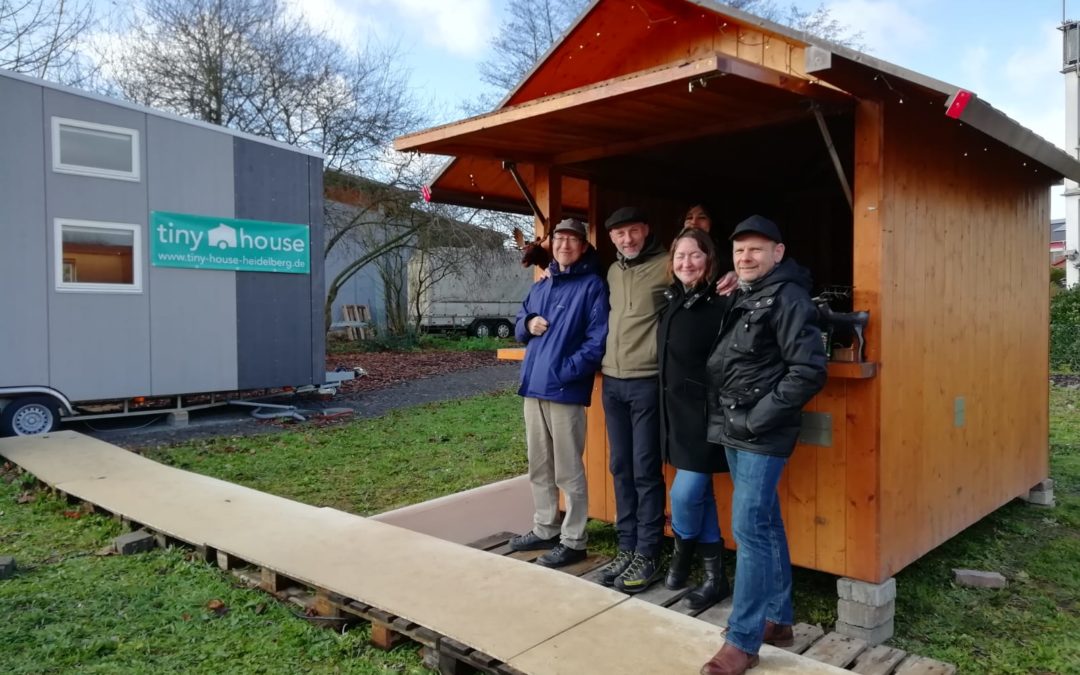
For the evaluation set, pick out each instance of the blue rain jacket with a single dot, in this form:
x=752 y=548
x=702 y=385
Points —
x=560 y=364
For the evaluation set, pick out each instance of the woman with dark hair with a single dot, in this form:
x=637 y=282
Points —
x=699 y=217
x=685 y=335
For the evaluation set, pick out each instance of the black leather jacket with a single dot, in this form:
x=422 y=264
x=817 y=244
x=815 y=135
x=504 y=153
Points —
x=767 y=362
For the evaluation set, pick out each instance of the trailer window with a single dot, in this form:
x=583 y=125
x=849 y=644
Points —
x=89 y=149
x=98 y=257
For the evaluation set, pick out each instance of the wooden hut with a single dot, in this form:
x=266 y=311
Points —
x=926 y=201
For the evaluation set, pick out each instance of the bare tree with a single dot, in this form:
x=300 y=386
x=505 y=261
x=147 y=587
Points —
x=42 y=37
x=253 y=66
x=533 y=26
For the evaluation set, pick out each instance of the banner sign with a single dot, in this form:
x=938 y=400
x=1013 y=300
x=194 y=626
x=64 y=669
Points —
x=205 y=243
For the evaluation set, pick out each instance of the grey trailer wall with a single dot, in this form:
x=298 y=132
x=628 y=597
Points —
x=99 y=343
x=24 y=323
x=274 y=313
x=185 y=330
x=193 y=345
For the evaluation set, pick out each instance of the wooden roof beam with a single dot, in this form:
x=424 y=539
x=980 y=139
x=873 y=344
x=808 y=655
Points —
x=700 y=72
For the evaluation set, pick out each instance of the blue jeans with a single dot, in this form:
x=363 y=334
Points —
x=693 y=507
x=763 y=565
x=632 y=410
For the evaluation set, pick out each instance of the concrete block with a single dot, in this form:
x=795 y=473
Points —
x=872 y=636
x=1040 y=498
x=979 y=579
x=178 y=418
x=875 y=595
x=134 y=542
x=7 y=566
x=866 y=616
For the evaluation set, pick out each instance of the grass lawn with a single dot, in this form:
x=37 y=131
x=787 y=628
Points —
x=70 y=609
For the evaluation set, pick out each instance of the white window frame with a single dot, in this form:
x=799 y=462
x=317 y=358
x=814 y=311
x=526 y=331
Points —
x=80 y=287
x=79 y=169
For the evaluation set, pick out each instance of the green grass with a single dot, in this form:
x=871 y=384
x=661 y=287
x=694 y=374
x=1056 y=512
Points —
x=69 y=609
x=372 y=466
x=454 y=342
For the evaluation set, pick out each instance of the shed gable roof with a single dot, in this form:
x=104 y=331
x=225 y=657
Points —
x=613 y=39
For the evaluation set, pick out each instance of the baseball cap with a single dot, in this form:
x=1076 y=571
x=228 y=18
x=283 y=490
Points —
x=572 y=225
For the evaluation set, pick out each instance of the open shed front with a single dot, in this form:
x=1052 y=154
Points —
x=943 y=241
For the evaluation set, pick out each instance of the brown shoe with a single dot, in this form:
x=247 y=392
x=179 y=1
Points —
x=730 y=660
x=778 y=635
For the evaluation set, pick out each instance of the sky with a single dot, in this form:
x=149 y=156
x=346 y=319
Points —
x=1008 y=52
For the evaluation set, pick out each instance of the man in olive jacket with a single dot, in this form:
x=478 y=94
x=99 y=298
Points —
x=766 y=364
x=631 y=397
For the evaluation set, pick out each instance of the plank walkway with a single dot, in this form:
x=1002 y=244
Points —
x=470 y=607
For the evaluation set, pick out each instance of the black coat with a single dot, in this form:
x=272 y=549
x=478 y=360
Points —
x=768 y=362
x=688 y=327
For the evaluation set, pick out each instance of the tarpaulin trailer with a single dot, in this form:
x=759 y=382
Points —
x=149 y=256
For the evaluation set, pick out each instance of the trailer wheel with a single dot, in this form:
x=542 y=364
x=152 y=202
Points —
x=29 y=416
x=503 y=329
x=480 y=329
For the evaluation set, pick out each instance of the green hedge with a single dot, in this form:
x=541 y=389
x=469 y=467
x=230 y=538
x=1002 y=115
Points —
x=1065 y=330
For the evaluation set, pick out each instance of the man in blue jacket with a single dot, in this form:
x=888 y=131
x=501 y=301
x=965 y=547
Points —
x=563 y=324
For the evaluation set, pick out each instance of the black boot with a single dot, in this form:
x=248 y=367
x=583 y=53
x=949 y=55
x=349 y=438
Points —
x=679 y=567
x=714 y=586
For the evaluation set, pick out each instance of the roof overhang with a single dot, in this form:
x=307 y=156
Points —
x=673 y=103
x=863 y=76
x=678 y=101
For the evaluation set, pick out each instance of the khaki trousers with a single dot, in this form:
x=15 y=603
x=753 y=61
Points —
x=555 y=436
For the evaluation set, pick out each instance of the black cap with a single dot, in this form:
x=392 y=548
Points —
x=625 y=216
x=758 y=225
x=572 y=225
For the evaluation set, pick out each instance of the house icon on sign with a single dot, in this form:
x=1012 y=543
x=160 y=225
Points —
x=223 y=237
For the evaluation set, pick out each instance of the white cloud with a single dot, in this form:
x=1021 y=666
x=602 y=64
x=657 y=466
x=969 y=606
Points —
x=462 y=27
x=888 y=28
x=343 y=23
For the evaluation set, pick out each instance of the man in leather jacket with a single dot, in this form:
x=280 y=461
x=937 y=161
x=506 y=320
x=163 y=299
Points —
x=766 y=364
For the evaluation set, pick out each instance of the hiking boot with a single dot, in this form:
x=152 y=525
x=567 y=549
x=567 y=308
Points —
x=613 y=569
x=531 y=542
x=679 y=567
x=730 y=660
x=561 y=556
x=778 y=635
x=714 y=585
x=639 y=575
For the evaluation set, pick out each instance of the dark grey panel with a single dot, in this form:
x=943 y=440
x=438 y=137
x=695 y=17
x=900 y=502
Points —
x=24 y=358
x=273 y=310
x=318 y=273
x=192 y=312
x=99 y=343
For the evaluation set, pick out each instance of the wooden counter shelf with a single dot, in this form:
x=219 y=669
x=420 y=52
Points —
x=842 y=370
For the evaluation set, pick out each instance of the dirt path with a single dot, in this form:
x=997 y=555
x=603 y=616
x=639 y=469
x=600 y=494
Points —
x=422 y=380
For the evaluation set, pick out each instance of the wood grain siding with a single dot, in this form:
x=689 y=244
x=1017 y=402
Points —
x=964 y=314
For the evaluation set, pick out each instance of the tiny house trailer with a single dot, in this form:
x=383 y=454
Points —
x=147 y=256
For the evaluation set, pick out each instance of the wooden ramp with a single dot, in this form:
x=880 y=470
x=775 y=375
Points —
x=534 y=619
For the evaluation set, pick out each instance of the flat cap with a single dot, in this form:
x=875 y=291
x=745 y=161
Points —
x=572 y=225
x=758 y=225
x=625 y=216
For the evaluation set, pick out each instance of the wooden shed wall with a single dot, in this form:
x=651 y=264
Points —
x=964 y=311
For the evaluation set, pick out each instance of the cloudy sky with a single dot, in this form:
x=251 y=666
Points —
x=1006 y=51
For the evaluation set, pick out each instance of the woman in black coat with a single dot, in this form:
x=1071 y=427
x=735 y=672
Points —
x=687 y=329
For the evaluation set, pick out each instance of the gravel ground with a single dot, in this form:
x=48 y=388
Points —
x=231 y=421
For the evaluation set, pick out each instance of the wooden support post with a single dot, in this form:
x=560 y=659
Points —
x=384 y=637
x=547 y=188
x=328 y=604
x=272 y=582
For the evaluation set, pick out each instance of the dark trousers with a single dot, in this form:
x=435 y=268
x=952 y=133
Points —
x=633 y=424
